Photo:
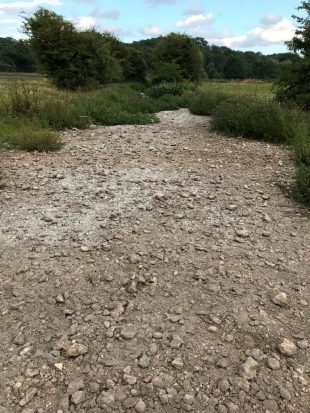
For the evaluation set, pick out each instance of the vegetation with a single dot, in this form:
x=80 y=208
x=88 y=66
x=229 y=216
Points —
x=30 y=113
x=294 y=84
x=176 y=58
x=164 y=74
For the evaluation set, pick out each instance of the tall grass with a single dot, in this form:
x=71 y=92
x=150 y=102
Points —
x=257 y=117
x=43 y=110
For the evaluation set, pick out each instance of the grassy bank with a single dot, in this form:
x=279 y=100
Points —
x=252 y=115
x=32 y=113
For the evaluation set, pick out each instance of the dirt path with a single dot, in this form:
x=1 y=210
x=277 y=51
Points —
x=153 y=269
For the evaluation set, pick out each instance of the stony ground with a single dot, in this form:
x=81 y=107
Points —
x=153 y=269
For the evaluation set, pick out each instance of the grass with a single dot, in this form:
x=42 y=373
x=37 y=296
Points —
x=14 y=76
x=32 y=112
x=253 y=88
x=249 y=110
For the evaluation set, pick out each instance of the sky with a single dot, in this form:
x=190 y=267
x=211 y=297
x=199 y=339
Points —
x=257 y=25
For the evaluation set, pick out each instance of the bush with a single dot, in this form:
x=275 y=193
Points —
x=204 y=103
x=254 y=118
x=302 y=143
x=72 y=59
x=172 y=88
x=27 y=135
x=301 y=186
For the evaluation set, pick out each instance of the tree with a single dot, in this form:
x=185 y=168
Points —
x=16 y=55
x=177 y=57
x=234 y=68
x=72 y=59
x=294 y=84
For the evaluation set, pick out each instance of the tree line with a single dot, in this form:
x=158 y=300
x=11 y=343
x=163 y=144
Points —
x=138 y=59
x=75 y=59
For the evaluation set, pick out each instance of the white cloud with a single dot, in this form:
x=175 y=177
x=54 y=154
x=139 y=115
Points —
x=271 y=30
x=85 y=22
x=26 y=5
x=155 y=3
x=153 y=30
x=195 y=20
x=118 y=31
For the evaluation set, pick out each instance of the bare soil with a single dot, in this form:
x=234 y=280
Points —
x=157 y=268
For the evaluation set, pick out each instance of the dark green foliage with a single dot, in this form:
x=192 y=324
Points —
x=302 y=142
x=177 y=57
x=301 y=186
x=254 y=118
x=72 y=59
x=172 y=88
x=294 y=84
x=204 y=103
x=134 y=65
x=16 y=55
x=234 y=68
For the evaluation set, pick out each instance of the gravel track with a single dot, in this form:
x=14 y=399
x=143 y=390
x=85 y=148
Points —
x=156 y=268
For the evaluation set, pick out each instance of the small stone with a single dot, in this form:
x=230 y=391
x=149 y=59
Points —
x=178 y=363
x=78 y=397
x=213 y=329
x=76 y=350
x=223 y=385
x=188 y=399
x=248 y=369
x=140 y=407
x=60 y=298
x=31 y=372
x=29 y=395
x=163 y=396
x=129 y=379
x=59 y=366
x=287 y=348
x=106 y=399
x=271 y=405
x=144 y=361
x=273 y=363
x=128 y=332
x=134 y=259
x=280 y=299
x=84 y=248
x=242 y=233
x=176 y=342
x=75 y=385
x=106 y=246
x=285 y=394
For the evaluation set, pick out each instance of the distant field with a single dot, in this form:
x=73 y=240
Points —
x=20 y=76
x=263 y=89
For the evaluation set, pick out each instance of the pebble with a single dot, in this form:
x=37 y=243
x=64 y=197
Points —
x=140 y=407
x=273 y=363
x=248 y=369
x=128 y=332
x=178 y=363
x=287 y=348
x=280 y=299
x=78 y=397
x=76 y=350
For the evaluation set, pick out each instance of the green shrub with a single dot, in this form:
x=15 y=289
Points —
x=204 y=103
x=254 y=118
x=27 y=135
x=302 y=143
x=20 y=99
x=172 y=88
x=301 y=186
